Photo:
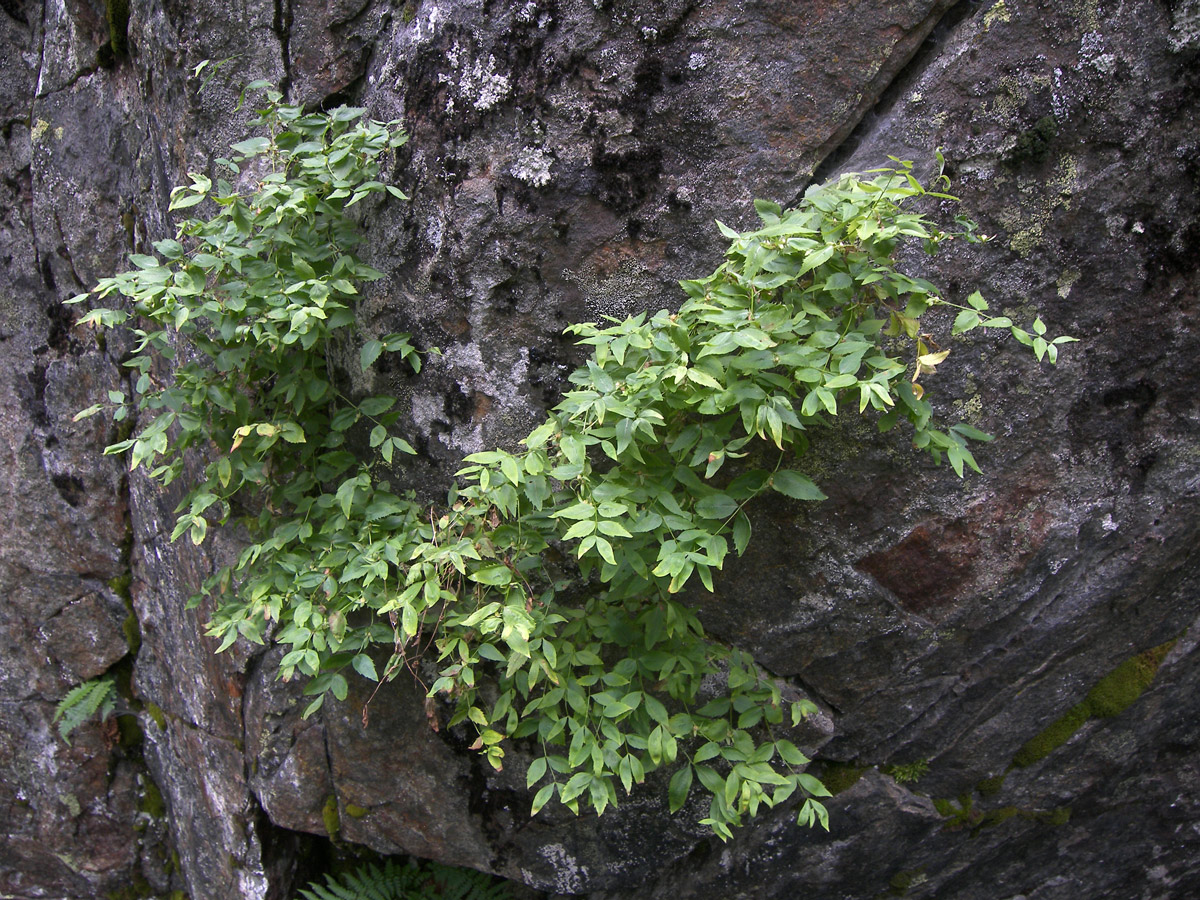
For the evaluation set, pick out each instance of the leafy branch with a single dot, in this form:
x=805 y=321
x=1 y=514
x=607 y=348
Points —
x=549 y=582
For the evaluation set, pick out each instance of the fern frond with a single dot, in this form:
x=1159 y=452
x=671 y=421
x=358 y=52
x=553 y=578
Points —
x=81 y=703
x=427 y=881
x=453 y=883
x=369 y=882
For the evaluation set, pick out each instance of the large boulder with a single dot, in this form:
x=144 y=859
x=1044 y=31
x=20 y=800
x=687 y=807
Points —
x=1022 y=643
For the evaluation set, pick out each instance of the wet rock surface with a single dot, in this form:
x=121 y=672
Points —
x=566 y=161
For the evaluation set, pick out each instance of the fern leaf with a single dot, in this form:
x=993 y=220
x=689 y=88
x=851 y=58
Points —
x=81 y=703
x=332 y=891
x=429 y=881
x=466 y=884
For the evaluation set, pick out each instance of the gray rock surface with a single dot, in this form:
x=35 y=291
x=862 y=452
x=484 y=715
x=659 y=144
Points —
x=566 y=160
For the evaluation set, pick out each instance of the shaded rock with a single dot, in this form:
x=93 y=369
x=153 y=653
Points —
x=565 y=162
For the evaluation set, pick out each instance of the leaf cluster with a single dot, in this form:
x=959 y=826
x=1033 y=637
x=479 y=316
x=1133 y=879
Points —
x=82 y=702
x=548 y=586
x=413 y=881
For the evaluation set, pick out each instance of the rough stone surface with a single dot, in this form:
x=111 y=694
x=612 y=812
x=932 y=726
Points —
x=566 y=161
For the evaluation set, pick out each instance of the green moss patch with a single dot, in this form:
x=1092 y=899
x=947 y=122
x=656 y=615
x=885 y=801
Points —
x=156 y=714
x=151 y=801
x=1059 y=816
x=1116 y=691
x=1052 y=737
x=838 y=777
x=1110 y=696
x=117 y=13
x=1033 y=145
x=900 y=883
x=998 y=816
x=989 y=787
x=329 y=815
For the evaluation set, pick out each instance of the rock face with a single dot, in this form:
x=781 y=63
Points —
x=1028 y=637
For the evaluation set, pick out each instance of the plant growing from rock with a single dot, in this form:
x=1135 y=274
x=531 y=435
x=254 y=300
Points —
x=641 y=476
x=908 y=773
x=91 y=698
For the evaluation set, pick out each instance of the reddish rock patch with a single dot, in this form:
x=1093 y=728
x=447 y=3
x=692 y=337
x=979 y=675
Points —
x=943 y=560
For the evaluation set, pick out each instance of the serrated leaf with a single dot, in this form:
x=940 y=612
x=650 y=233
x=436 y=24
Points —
x=580 y=510
x=790 y=754
x=657 y=711
x=313 y=707
x=365 y=666
x=965 y=321
x=338 y=686
x=841 y=381
x=369 y=353
x=816 y=258
x=604 y=548
x=580 y=530
x=812 y=785
x=717 y=506
x=741 y=533
x=511 y=469
x=798 y=487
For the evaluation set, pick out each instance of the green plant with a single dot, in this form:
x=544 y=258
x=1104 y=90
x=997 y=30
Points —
x=641 y=475
x=959 y=813
x=908 y=773
x=82 y=702
x=424 y=881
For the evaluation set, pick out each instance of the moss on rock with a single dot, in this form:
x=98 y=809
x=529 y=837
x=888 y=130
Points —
x=989 y=787
x=331 y=818
x=156 y=715
x=1052 y=737
x=117 y=13
x=1116 y=691
x=1110 y=696
x=1059 y=816
x=900 y=883
x=839 y=776
x=151 y=802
